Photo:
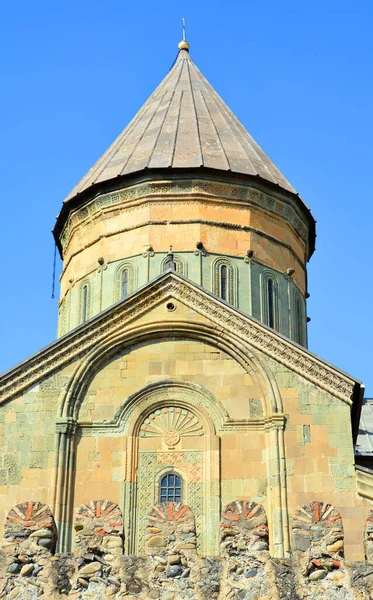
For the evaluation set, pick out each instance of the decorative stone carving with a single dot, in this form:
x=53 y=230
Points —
x=171 y=529
x=244 y=529
x=65 y=350
x=318 y=539
x=232 y=284
x=171 y=424
x=99 y=528
x=198 y=192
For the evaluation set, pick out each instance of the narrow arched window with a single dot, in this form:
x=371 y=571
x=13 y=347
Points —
x=125 y=278
x=85 y=303
x=170 y=488
x=298 y=320
x=271 y=303
x=223 y=282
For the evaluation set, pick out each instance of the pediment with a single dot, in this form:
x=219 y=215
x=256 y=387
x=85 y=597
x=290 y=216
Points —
x=148 y=304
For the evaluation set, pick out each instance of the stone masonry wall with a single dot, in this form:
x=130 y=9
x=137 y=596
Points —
x=171 y=568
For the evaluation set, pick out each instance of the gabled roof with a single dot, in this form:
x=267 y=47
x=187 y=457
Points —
x=225 y=319
x=184 y=124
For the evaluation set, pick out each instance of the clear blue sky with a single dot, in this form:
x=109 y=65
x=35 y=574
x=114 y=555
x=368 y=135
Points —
x=297 y=74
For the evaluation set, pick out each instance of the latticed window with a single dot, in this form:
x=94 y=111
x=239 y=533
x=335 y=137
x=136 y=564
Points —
x=170 y=488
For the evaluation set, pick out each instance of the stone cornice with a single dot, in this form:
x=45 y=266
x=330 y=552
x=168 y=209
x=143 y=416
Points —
x=186 y=191
x=81 y=340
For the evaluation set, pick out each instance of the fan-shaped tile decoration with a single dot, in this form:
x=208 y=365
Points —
x=368 y=537
x=244 y=528
x=318 y=527
x=31 y=523
x=99 y=524
x=171 y=424
x=171 y=527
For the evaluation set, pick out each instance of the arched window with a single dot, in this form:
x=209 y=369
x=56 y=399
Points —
x=85 y=301
x=270 y=300
x=125 y=278
x=298 y=320
x=181 y=265
x=224 y=280
x=271 y=303
x=170 y=488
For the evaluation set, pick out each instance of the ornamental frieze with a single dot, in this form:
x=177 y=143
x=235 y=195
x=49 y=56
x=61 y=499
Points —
x=250 y=332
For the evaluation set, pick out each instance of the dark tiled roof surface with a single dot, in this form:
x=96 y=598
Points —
x=186 y=124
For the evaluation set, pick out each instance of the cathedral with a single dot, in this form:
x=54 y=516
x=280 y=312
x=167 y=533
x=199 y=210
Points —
x=178 y=439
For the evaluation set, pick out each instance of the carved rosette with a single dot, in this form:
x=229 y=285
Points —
x=318 y=539
x=244 y=529
x=171 y=424
x=99 y=527
x=30 y=528
x=170 y=528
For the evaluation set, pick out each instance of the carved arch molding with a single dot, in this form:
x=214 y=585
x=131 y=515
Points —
x=202 y=469
x=163 y=417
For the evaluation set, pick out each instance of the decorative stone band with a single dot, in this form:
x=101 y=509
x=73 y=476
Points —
x=166 y=191
x=229 y=319
x=244 y=528
x=31 y=526
x=171 y=528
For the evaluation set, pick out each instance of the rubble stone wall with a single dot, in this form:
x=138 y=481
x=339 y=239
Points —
x=172 y=568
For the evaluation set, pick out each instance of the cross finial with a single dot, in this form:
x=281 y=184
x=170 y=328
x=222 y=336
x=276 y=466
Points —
x=184 y=44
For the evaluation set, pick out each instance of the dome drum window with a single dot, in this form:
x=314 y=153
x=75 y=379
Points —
x=270 y=293
x=224 y=280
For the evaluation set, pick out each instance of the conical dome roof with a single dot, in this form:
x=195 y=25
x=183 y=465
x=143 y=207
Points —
x=183 y=124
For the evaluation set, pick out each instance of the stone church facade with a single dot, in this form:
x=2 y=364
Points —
x=178 y=439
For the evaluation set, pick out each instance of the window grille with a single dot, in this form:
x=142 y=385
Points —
x=170 y=488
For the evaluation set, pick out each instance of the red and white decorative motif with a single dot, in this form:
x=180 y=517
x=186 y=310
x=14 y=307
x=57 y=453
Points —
x=244 y=528
x=102 y=516
x=29 y=515
x=171 y=526
x=318 y=528
x=30 y=528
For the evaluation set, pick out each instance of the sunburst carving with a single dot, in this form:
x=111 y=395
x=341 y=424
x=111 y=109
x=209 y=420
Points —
x=171 y=424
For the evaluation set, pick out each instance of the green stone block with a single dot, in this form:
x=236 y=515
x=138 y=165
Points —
x=14 y=476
